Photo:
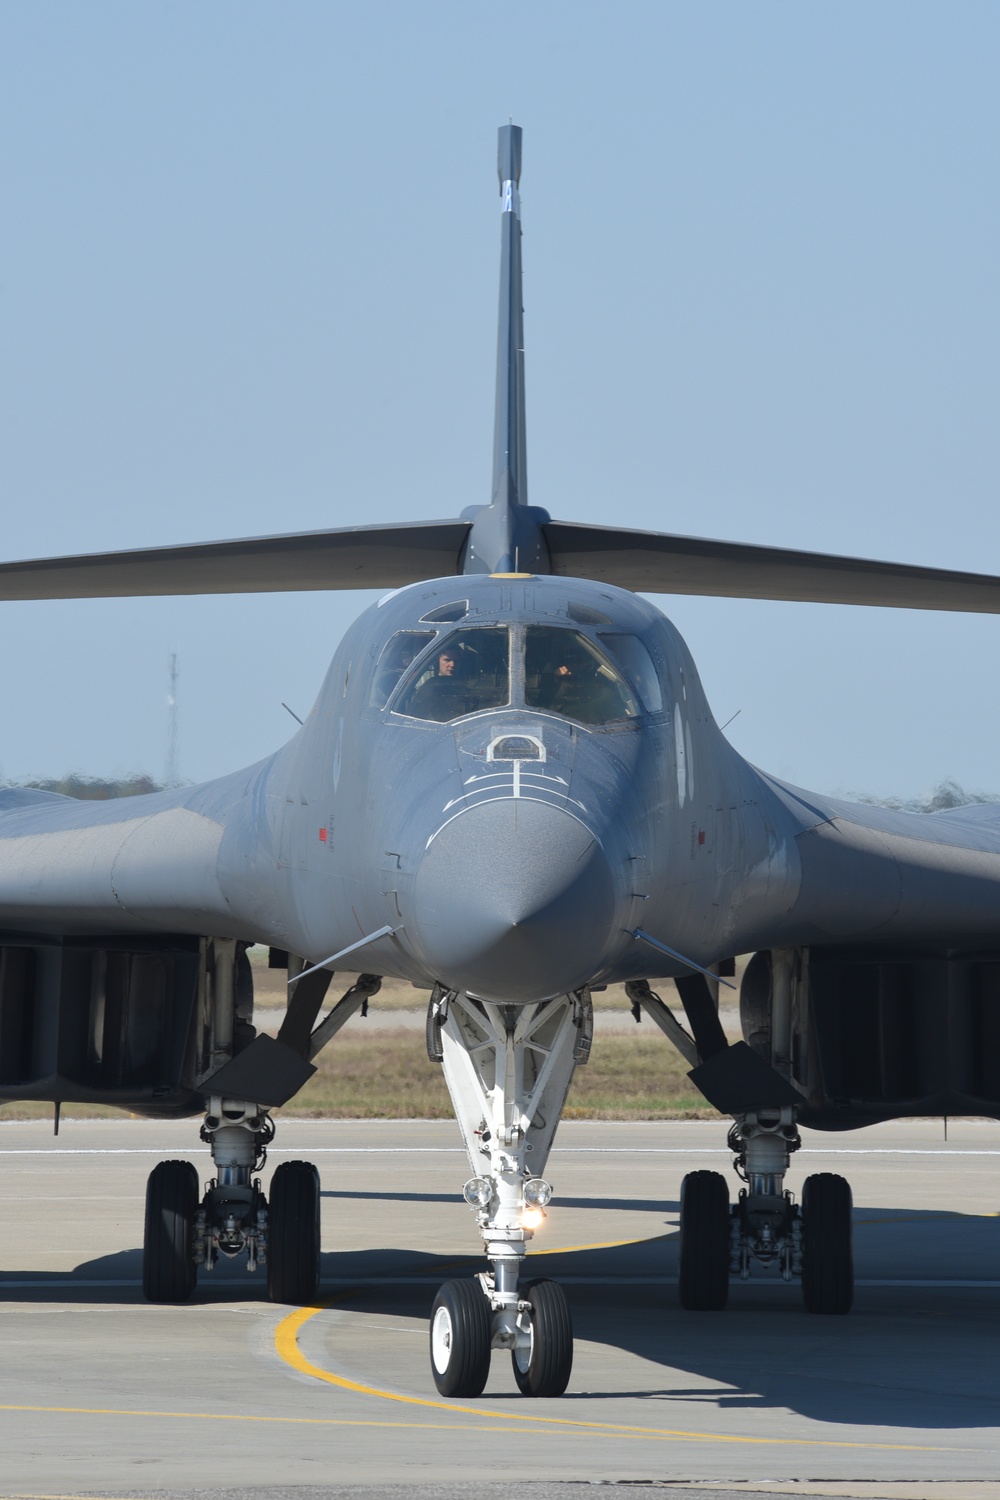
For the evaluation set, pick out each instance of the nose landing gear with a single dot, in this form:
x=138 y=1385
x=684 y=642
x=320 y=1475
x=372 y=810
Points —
x=508 y=1069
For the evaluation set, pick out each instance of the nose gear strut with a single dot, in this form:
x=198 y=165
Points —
x=508 y=1069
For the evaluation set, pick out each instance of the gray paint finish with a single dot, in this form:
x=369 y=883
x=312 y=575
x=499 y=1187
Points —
x=334 y=836
x=356 y=557
x=517 y=878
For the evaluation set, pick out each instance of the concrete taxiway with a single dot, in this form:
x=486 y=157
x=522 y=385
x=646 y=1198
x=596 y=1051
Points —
x=103 y=1394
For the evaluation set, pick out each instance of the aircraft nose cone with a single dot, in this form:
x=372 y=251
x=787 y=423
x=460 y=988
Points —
x=514 y=901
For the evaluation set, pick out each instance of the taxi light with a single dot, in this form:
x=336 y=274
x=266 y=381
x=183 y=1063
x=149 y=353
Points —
x=537 y=1192
x=532 y=1217
x=478 y=1191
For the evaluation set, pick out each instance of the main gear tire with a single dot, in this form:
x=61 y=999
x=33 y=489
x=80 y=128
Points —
x=461 y=1337
x=293 y=1234
x=542 y=1367
x=703 y=1277
x=827 y=1244
x=169 y=1272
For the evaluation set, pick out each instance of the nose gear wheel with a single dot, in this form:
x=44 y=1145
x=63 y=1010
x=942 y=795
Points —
x=543 y=1363
x=461 y=1331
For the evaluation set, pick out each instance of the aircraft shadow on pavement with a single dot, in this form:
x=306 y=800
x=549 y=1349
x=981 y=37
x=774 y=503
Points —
x=644 y=1205
x=907 y=1357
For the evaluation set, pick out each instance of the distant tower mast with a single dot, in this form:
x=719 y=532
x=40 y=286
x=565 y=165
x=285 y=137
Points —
x=172 y=773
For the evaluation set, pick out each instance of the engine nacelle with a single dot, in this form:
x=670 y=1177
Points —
x=137 y=1022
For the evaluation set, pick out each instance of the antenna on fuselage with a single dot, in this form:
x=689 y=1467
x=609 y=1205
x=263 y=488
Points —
x=506 y=535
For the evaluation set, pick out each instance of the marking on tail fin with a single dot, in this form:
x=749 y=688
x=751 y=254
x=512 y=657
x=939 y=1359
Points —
x=511 y=199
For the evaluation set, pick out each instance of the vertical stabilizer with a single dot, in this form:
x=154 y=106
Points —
x=506 y=535
x=510 y=467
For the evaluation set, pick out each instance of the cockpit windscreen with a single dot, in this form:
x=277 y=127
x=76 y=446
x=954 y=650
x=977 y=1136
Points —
x=466 y=672
x=396 y=656
x=565 y=673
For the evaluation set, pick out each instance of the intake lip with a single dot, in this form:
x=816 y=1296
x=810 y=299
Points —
x=514 y=900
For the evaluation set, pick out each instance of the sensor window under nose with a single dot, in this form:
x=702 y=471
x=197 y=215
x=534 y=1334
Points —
x=516 y=747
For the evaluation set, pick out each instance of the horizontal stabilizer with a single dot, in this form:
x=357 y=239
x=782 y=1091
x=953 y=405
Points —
x=653 y=562
x=358 y=557
x=388 y=557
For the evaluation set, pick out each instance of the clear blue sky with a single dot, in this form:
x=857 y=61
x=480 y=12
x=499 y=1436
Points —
x=250 y=259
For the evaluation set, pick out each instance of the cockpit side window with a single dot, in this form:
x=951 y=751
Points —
x=467 y=671
x=397 y=654
x=568 y=674
x=639 y=665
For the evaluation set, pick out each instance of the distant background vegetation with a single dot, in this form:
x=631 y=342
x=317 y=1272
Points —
x=946 y=794
x=94 y=789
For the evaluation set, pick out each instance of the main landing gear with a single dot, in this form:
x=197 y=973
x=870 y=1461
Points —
x=184 y=1230
x=508 y=1069
x=812 y=1241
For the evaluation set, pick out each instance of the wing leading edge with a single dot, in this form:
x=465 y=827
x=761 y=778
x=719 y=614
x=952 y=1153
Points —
x=386 y=557
x=357 y=557
x=656 y=562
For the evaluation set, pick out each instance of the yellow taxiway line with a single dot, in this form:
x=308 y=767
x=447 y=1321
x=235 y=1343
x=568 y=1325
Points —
x=286 y=1343
x=287 y=1346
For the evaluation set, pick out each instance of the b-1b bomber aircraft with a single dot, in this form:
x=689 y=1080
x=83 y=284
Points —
x=510 y=792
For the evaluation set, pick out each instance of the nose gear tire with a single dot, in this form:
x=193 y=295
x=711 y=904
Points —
x=461 y=1334
x=293 y=1234
x=703 y=1281
x=827 y=1247
x=544 y=1367
x=168 y=1269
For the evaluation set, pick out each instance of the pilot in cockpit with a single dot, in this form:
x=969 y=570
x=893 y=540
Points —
x=585 y=693
x=445 y=694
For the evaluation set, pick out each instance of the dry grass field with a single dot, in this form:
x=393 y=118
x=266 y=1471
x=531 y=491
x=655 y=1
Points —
x=383 y=1073
x=386 y=1075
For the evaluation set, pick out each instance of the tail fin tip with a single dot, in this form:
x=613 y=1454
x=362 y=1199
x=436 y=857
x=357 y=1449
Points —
x=509 y=155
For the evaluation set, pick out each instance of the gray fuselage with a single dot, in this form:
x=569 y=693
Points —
x=514 y=849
